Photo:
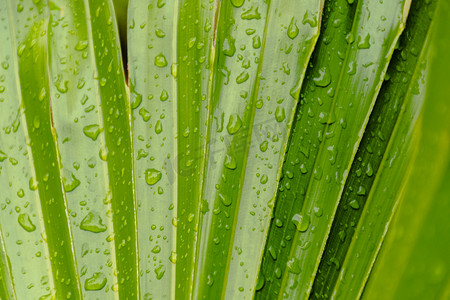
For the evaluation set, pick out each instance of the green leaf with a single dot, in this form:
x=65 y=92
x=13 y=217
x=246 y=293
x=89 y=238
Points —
x=337 y=101
x=170 y=90
x=34 y=221
x=413 y=261
x=369 y=198
x=255 y=92
x=91 y=119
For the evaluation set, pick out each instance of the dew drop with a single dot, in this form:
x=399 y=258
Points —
x=234 y=124
x=237 y=3
x=93 y=223
x=81 y=45
x=160 y=60
x=230 y=162
x=152 y=176
x=322 y=79
x=229 y=47
x=25 y=221
x=92 y=131
x=280 y=114
x=225 y=200
x=292 y=30
x=96 y=282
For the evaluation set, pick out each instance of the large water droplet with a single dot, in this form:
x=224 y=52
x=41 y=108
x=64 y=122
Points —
x=229 y=47
x=237 y=3
x=322 y=79
x=230 y=162
x=96 y=282
x=234 y=124
x=364 y=42
x=72 y=184
x=160 y=60
x=92 y=131
x=93 y=223
x=25 y=222
x=280 y=114
x=160 y=272
x=152 y=176
x=225 y=200
x=81 y=45
x=292 y=30
x=301 y=222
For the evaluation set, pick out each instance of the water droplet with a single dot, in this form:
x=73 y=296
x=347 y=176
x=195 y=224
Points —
x=25 y=222
x=310 y=18
x=278 y=273
x=293 y=265
x=96 y=282
x=256 y=42
x=81 y=45
x=369 y=170
x=209 y=278
x=230 y=162
x=264 y=179
x=260 y=282
x=191 y=42
x=292 y=30
x=93 y=223
x=364 y=43
x=237 y=3
x=159 y=33
x=280 y=114
x=173 y=257
x=234 y=124
x=361 y=191
x=158 y=127
x=243 y=77
x=229 y=47
x=225 y=201
x=72 y=184
x=251 y=14
x=322 y=79
x=161 y=3
x=160 y=272
x=354 y=204
x=92 y=131
x=263 y=146
x=301 y=222
x=156 y=249
x=272 y=252
x=164 y=95
x=160 y=60
x=152 y=176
